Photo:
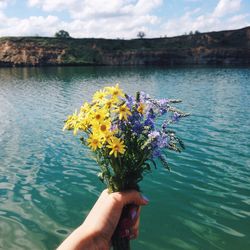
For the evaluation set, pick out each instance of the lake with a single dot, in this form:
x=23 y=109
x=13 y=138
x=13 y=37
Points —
x=48 y=180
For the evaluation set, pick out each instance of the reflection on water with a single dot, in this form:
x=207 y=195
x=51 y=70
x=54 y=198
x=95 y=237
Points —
x=48 y=180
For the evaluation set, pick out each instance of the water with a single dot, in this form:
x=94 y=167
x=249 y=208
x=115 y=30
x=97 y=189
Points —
x=48 y=180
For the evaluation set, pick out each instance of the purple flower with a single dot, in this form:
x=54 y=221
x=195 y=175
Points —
x=137 y=127
x=164 y=125
x=176 y=117
x=150 y=114
x=149 y=123
x=130 y=101
x=163 y=111
x=144 y=96
x=163 y=102
x=114 y=127
x=162 y=140
x=153 y=135
x=156 y=153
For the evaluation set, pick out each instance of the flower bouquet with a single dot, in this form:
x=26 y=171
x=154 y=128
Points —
x=127 y=137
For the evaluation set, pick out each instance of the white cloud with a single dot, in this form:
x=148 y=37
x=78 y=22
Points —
x=53 y=5
x=29 y=26
x=47 y=26
x=104 y=18
x=82 y=9
x=110 y=28
x=214 y=21
x=119 y=18
x=225 y=7
x=236 y=20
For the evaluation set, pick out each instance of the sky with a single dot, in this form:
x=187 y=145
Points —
x=120 y=18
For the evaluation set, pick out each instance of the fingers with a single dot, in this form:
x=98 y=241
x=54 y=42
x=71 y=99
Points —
x=134 y=197
x=127 y=197
x=134 y=230
x=131 y=197
x=130 y=225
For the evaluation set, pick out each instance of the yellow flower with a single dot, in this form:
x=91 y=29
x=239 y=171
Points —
x=116 y=145
x=85 y=108
x=115 y=92
x=98 y=115
x=95 y=141
x=83 y=124
x=123 y=111
x=99 y=96
x=72 y=122
x=108 y=103
x=141 y=108
x=103 y=127
x=109 y=135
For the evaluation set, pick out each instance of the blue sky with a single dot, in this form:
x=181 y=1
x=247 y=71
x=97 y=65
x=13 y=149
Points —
x=120 y=18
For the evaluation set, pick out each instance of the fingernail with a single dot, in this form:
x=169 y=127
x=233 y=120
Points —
x=133 y=214
x=145 y=198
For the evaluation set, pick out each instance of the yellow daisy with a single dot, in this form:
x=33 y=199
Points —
x=123 y=111
x=109 y=135
x=103 y=127
x=85 y=108
x=115 y=92
x=71 y=122
x=99 y=96
x=116 y=145
x=141 y=108
x=84 y=124
x=98 y=115
x=95 y=141
x=108 y=103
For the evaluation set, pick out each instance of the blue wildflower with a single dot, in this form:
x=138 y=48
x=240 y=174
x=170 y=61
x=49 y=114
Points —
x=129 y=101
x=176 y=116
x=137 y=127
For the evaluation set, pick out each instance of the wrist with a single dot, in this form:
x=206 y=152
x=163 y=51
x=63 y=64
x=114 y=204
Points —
x=82 y=238
x=92 y=239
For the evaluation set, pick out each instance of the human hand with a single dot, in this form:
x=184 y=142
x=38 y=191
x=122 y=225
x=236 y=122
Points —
x=99 y=226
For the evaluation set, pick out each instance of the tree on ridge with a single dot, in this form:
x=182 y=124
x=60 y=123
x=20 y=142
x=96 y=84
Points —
x=62 y=34
x=141 y=34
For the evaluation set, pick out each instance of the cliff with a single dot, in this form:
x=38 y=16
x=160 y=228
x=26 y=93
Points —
x=213 y=48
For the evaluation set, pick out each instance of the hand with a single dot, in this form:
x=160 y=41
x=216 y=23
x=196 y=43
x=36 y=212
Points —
x=99 y=226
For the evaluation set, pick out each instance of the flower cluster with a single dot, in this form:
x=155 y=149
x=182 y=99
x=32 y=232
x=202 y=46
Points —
x=125 y=134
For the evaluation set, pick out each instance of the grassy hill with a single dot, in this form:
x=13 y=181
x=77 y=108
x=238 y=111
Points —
x=224 y=47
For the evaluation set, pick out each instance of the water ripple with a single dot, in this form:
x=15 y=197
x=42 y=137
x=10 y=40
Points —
x=48 y=180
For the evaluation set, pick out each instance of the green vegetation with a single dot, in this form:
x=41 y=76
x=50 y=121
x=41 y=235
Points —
x=62 y=34
x=90 y=51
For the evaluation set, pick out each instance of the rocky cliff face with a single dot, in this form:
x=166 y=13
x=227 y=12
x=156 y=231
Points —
x=15 y=53
x=224 y=48
x=199 y=56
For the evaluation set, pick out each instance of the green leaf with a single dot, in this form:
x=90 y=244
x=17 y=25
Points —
x=181 y=143
x=138 y=96
x=147 y=166
x=164 y=162
x=153 y=162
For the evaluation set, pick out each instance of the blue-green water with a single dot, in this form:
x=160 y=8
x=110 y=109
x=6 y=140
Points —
x=48 y=181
